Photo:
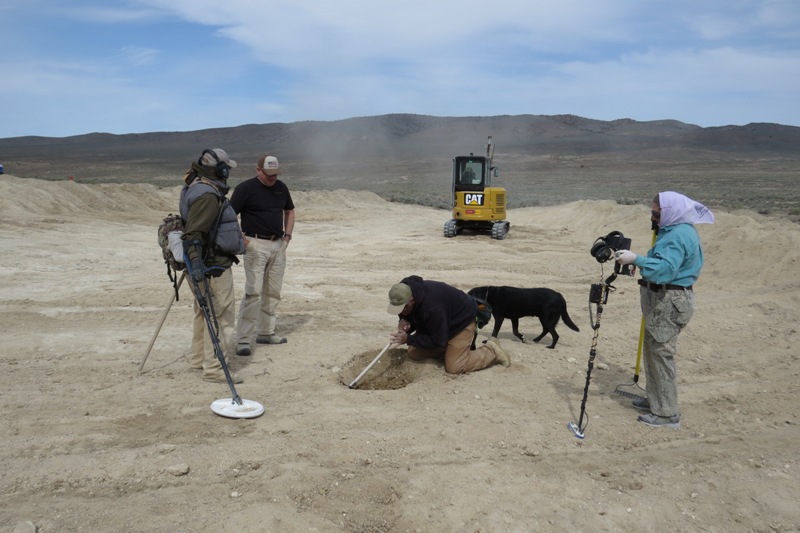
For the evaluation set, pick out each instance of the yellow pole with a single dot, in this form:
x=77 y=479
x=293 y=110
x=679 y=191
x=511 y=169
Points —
x=641 y=331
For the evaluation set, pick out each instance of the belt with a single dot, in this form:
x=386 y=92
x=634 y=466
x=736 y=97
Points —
x=663 y=287
x=272 y=237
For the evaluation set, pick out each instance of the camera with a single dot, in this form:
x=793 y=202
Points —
x=604 y=247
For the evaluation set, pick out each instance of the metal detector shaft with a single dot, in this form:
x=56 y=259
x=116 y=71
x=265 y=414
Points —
x=361 y=375
x=212 y=332
x=579 y=428
x=161 y=321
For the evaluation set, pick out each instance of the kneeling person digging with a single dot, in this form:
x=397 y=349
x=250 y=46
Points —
x=435 y=320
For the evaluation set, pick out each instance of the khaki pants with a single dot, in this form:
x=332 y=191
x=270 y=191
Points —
x=222 y=304
x=458 y=358
x=264 y=265
x=665 y=313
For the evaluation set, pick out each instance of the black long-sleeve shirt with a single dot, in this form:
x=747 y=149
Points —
x=440 y=312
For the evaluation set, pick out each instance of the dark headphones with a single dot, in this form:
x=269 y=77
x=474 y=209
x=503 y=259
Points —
x=222 y=168
x=604 y=247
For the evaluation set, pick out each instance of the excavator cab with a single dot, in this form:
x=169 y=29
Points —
x=477 y=206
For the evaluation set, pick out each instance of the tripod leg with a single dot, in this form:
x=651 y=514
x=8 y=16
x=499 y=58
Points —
x=161 y=322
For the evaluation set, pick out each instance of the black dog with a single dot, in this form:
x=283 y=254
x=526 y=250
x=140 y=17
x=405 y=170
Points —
x=514 y=303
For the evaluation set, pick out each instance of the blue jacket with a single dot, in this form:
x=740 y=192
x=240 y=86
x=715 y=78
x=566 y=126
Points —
x=676 y=258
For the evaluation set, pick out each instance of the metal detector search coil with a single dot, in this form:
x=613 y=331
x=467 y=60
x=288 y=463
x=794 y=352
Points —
x=228 y=408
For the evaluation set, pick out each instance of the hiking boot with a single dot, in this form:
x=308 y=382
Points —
x=656 y=421
x=219 y=377
x=243 y=349
x=270 y=339
x=642 y=404
x=501 y=356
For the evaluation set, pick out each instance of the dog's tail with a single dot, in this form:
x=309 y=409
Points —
x=567 y=320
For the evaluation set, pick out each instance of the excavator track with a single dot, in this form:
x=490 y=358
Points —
x=500 y=230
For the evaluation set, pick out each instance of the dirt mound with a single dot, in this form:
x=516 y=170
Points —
x=90 y=444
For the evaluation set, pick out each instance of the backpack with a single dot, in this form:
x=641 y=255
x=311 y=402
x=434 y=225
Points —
x=170 y=224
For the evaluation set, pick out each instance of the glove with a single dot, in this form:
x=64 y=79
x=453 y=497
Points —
x=624 y=257
x=193 y=253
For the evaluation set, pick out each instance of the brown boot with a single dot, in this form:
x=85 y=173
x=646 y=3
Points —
x=501 y=356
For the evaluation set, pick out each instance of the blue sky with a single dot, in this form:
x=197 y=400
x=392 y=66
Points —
x=79 y=66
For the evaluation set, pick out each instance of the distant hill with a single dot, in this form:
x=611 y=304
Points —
x=406 y=157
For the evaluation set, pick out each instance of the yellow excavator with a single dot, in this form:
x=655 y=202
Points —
x=477 y=206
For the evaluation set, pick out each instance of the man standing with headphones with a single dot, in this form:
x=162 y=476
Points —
x=267 y=212
x=211 y=241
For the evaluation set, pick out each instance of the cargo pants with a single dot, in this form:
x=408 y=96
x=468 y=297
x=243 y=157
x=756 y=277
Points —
x=665 y=313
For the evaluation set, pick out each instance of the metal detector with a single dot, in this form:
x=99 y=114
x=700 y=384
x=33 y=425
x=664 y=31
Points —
x=598 y=295
x=235 y=406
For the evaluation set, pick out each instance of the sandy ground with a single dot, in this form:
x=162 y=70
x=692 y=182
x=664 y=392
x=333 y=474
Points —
x=91 y=444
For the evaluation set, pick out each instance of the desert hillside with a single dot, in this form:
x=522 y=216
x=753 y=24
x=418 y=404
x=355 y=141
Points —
x=542 y=159
x=92 y=444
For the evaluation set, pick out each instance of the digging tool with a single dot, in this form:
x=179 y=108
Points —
x=634 y=385
x=161 y=320
x=361 y=375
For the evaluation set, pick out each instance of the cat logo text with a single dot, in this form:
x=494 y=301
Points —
x=473 y=199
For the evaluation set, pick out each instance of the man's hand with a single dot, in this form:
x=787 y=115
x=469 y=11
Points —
x=624 y=257
x=403 y=325
x=398 y=338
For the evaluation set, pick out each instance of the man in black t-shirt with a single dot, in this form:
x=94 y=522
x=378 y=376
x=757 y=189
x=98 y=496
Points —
x=267 y=212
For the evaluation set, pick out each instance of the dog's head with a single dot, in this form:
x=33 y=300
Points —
x=479 y=292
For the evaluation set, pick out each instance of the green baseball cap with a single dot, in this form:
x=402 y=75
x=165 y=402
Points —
x=399 y=295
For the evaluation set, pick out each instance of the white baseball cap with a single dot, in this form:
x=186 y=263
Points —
x=271 y=166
